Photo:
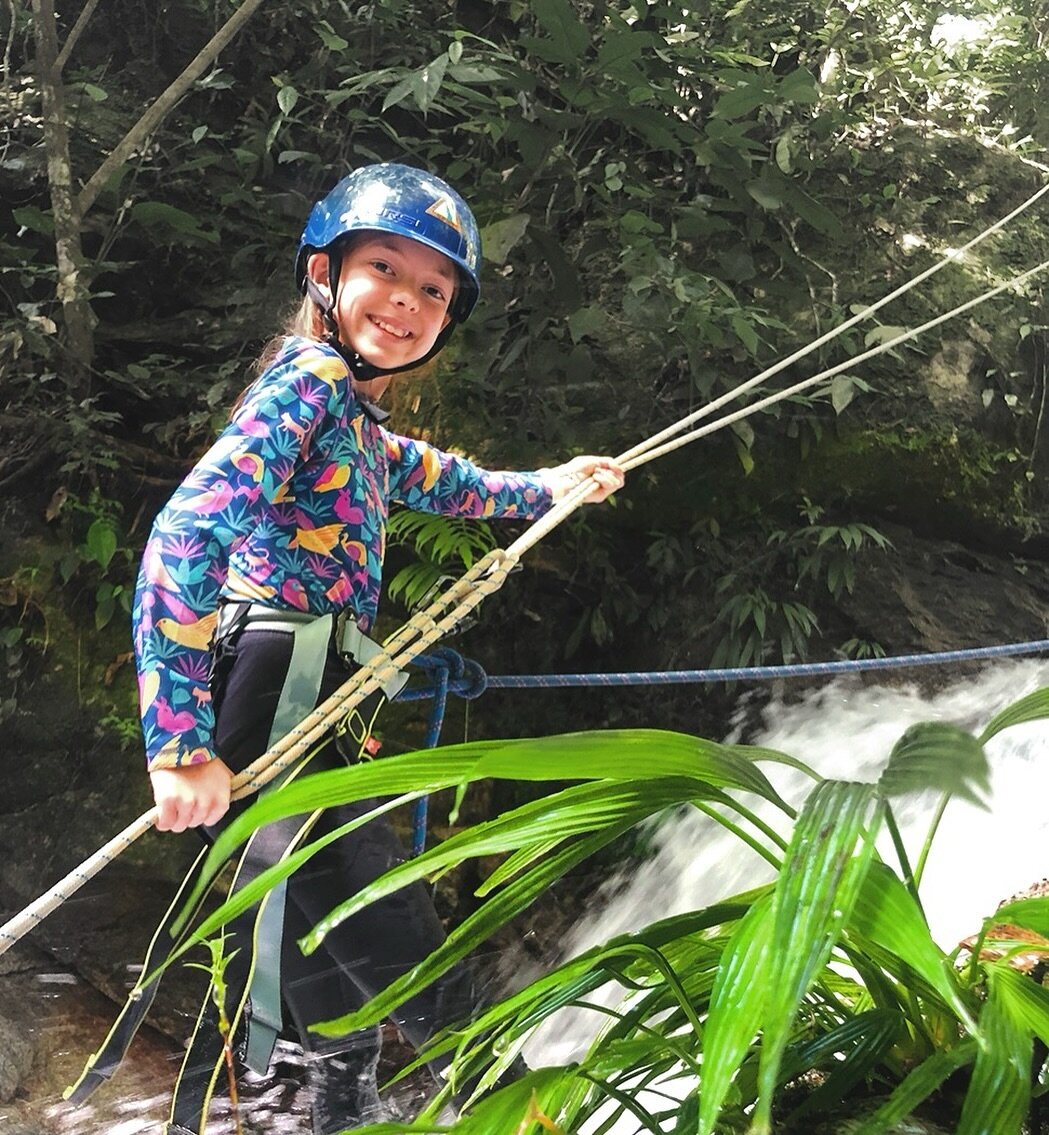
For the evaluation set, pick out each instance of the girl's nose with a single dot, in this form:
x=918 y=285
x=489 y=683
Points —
x=405 y=297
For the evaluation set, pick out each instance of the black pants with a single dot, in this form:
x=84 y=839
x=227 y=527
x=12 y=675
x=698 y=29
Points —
x=385 y=940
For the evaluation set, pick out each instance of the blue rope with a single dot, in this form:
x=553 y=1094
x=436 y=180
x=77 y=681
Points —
x=762 y=673
x=443 y=665
x=450 y=673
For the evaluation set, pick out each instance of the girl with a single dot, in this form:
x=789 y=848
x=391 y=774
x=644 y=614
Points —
x=260 y=582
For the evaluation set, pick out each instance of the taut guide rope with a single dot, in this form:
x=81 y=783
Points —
x=489 y=573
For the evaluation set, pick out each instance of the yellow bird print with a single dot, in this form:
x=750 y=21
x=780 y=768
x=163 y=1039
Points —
x=148 y=688
x=335 y=476
x=432 y=467
x=317 y=539
x=197 y=636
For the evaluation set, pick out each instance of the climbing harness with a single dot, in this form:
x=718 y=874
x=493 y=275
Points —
x=486 y=576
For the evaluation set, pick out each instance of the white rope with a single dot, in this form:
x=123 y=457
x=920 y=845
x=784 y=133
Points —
x=950 y=257
x=488 y=575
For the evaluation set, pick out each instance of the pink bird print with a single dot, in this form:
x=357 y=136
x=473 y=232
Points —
x=348 y=513
x=156 y=570
x=294 y=593
x=172 y=722
x=250 y=423
x=182 y=613
x=251 y=494
x=211 y=500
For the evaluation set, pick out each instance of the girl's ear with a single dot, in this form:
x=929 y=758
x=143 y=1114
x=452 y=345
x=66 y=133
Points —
x=317 y=271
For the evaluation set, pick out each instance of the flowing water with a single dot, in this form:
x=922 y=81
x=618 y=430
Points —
x=846 y=730
x=980 y=856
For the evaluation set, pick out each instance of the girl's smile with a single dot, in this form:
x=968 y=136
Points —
x=393 y=297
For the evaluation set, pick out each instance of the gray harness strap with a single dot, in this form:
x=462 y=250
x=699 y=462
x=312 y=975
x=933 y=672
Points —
x=297 y=697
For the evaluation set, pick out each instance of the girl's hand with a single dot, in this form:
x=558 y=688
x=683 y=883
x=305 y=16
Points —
x=562 y=479
x=191 y=795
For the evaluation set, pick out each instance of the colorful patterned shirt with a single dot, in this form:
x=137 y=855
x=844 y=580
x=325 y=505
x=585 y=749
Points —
x=288 y=508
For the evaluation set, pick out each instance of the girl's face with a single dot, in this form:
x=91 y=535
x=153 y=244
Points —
x=393 y=297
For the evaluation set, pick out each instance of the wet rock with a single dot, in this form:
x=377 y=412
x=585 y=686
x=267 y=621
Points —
x=16 y=1058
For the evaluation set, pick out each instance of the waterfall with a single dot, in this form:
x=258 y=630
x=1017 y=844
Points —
x=846 y=730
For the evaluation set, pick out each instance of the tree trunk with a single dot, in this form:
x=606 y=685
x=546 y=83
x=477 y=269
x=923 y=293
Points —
x=71 y=287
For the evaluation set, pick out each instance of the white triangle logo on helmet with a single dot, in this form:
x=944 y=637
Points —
x=444 y=210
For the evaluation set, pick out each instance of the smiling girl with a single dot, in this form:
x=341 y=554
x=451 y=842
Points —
x=257 y=592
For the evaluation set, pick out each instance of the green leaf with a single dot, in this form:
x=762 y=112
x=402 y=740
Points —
x=737 y=1008
x=937 y=756
x=34 y=219
x=156 y=214
x=500 y=237
x=830 y=852
x=999 y=1093
x=101 y=542
x=426 y=82
x=747 y=94
x=1030 y=913
x=887 y=916
x=559 y=20
x=745 y=332
x=287 y=97
x=1024 y=1001
x=842 y=390
x=1033 y=707
x=918 y=1085
x=329 y=37
x=591 y=321
x=765 y=195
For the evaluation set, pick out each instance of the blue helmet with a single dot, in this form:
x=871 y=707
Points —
x=409 y=202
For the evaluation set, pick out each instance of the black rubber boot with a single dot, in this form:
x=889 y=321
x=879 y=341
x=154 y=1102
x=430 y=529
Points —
x=343 y=1090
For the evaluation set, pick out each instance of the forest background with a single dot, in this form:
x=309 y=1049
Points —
x=671 y=198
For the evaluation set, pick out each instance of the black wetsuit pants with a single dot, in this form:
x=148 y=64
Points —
x=385 y=940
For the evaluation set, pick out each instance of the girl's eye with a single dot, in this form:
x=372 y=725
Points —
x=381 y=266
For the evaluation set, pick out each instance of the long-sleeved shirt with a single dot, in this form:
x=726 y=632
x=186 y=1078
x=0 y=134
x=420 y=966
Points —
x=288 y=508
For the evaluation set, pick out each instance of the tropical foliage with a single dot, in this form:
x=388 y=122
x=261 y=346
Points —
x=671 y=197
x=822 y=993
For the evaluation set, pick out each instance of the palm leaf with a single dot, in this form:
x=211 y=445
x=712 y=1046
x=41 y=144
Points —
x=1024 y=1001
x=887 y=916
x=999 y=1092
x=1033 y=707
x=597 y=755
x=918 y=1085
x=830 y=851
x=934 y=755
x=737 y=1008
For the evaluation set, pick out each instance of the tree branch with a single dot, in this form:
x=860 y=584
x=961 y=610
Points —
x=74 y=35
x=155 y=113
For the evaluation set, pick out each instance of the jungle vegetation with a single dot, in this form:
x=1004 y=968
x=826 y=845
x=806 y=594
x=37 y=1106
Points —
x=672 y=196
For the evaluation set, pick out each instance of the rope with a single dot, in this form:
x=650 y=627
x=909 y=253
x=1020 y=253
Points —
x=486 y=577
x=761 y=673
